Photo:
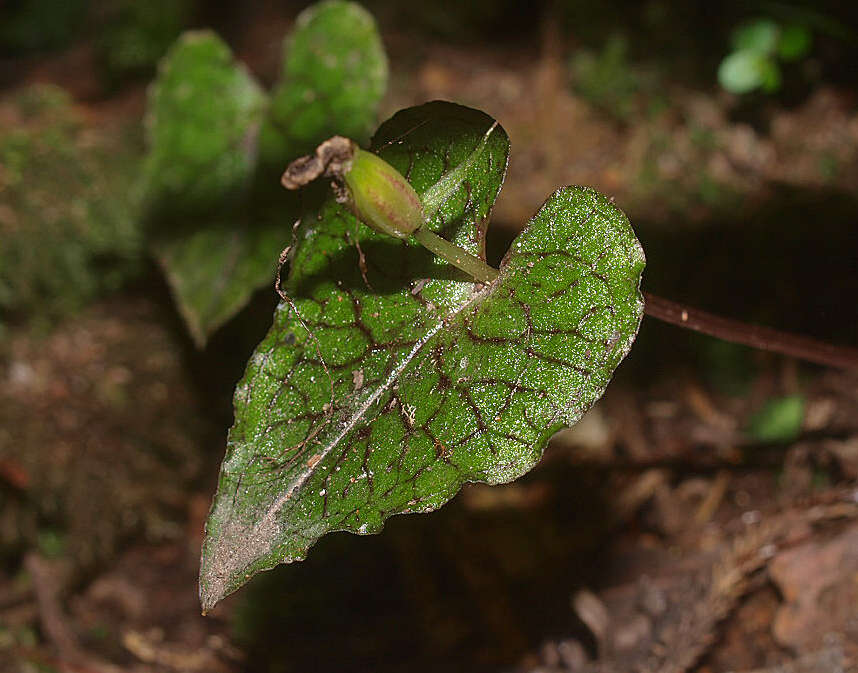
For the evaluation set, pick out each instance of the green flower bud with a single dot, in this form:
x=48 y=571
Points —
x=381 y=197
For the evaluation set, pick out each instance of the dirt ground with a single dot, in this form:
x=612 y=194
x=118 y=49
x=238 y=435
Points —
x=658 y=535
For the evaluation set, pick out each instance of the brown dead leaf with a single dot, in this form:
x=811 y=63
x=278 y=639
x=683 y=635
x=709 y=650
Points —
x=819 y=583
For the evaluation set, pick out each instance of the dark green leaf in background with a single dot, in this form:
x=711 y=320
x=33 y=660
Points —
x=779 y=420
x=760 y=36
x=204 y=110
x=217 y=232
x=213 y=271
x=204 y=116
x=365 y=401
x=795 y=42
x=334 y=75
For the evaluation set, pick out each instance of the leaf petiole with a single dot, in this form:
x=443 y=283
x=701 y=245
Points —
x=458 y=257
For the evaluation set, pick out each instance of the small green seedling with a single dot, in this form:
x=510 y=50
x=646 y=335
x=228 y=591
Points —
x=759 y=48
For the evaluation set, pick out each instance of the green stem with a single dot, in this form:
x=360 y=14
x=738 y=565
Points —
x=458 y=257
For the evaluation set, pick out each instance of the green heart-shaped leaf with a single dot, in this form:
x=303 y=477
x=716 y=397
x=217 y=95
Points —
x=368 y=401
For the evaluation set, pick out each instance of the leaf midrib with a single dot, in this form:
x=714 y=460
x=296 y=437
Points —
x=365 y=406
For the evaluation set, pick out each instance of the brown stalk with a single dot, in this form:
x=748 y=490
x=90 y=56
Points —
x=755 y=336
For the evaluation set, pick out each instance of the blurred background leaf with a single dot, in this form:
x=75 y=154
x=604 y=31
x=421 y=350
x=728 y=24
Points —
x=758 y=46
x=334 y=75
x=137 y=34
x=212 y=177
x=779 y=420
x=204 y=110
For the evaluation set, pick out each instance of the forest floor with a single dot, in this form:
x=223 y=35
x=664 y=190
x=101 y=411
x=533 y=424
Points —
x=666 y=532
